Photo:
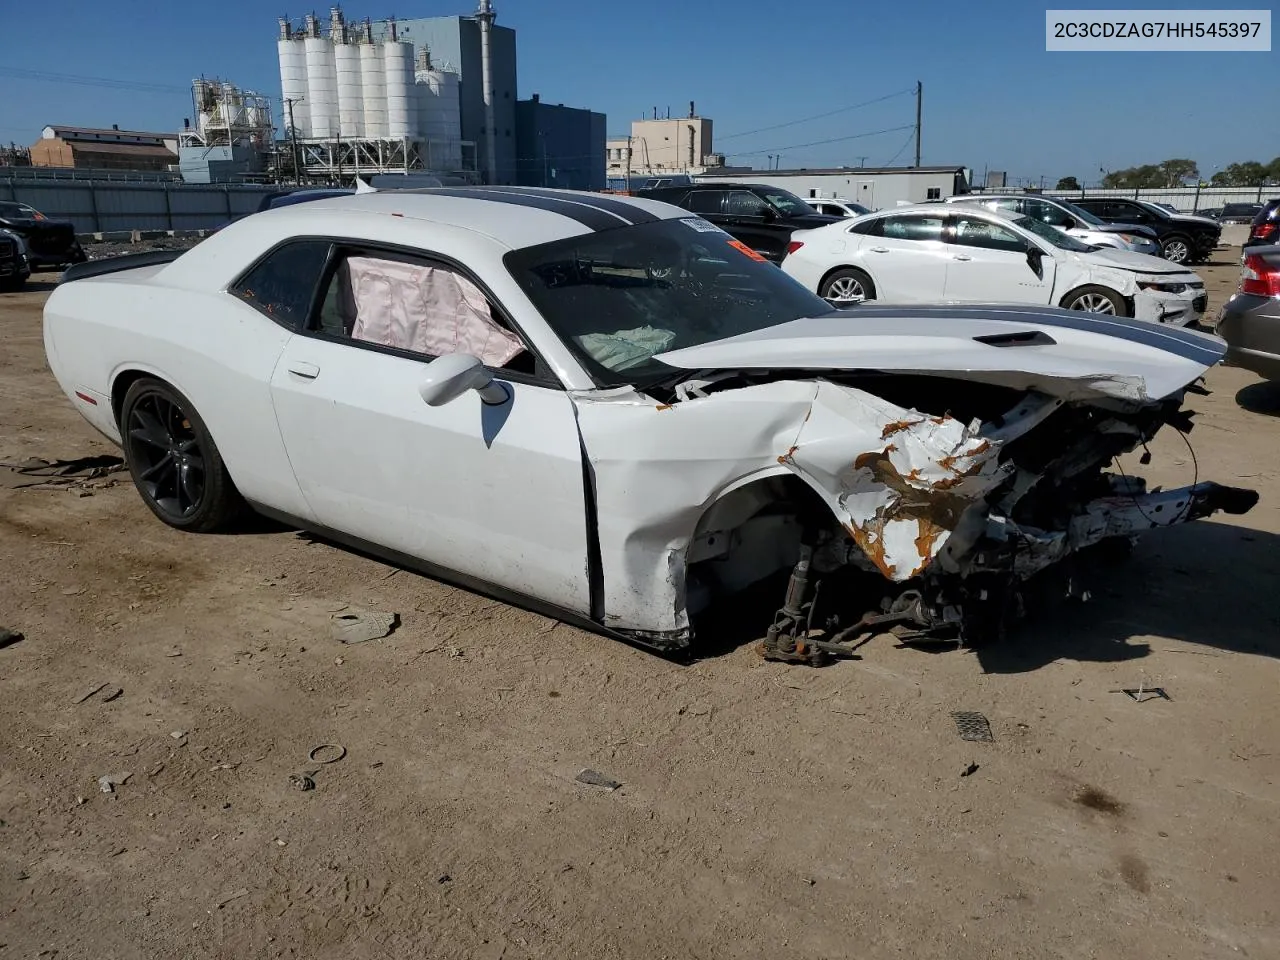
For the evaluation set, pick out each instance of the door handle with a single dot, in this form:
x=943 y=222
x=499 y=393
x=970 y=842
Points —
x=962 y=256
x=307 y=371
x=879 y=249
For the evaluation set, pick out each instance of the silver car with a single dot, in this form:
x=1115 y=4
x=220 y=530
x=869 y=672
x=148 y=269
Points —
x=1070 y=219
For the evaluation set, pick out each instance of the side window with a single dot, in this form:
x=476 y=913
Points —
x=913 y=228
x=281 y=285
x=1047 y=213
x=1129 y=212
x=1010 y=204
x=973 y=232
x=704 y=201
x=870 y=228
x=743 y=203
x=417 y=305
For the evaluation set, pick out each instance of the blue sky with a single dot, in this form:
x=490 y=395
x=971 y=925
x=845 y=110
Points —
x=992 y=96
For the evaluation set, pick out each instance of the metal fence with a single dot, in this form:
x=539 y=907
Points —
x=100 y=206
x=1186 y=199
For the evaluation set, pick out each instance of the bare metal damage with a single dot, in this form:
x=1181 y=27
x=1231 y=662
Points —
x=917 y=497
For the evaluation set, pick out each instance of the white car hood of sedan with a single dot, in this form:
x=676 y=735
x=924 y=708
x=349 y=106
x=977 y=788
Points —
x=1132 y=261
x=1068 y=354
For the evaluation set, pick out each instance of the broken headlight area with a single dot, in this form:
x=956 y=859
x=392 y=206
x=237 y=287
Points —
x=954 y=515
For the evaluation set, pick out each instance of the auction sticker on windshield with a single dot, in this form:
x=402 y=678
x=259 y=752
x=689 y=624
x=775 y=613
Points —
x=702 y=226
x=739 y=245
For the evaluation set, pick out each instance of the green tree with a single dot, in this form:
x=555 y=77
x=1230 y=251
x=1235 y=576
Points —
x=1247 y=174
x=1147 y=176
x=1179 y=169
x=1068 y=183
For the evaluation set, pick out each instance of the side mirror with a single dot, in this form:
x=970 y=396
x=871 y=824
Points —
x=452 y=375
x=768 y=213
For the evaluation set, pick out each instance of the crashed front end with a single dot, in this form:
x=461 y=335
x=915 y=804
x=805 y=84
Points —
x=952 y=493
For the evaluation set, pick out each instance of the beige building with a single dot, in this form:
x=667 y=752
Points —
x=675 y=145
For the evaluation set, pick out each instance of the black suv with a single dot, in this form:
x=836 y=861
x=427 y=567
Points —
x=1266 y=225
x=1182 y=239
x=50 y=243
x=13 y=261
x=760 y=216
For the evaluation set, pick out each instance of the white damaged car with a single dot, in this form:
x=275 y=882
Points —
x=612 y=412
x=954 y=253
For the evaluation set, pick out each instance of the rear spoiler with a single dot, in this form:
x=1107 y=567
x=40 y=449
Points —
x=128 y=261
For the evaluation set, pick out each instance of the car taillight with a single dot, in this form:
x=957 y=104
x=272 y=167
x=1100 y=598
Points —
x=1260 y=276
x=1264 y=231
x=793 y=246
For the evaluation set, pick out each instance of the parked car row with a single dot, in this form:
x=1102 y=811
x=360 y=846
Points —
x=48 y=243
x=971 y=253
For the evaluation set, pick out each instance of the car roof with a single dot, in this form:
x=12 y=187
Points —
x=935 y=209
x=514 y=216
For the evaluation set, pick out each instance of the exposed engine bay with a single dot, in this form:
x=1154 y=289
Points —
x=959 y=493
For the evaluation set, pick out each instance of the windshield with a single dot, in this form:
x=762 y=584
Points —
x=787 y=203
x=18 y=211
x=1090 y=218
x=1155 y=208
x=618 y=297
x=1055 y=236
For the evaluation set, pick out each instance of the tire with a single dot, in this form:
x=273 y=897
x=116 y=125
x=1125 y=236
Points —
x=1176 y=249
x=12 y=284
x=847 y=281
x=173 y=460
x=1095 y=299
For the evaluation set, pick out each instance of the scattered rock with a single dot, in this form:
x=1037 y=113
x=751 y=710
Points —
x=177 y=734
x=444 y=878
x=109 y=781
x=175 y=652
x=112 y=693
x=597 y=779
x=970 y=770
x=302 y=781
x=85 y=696
x=9 y=637
x=357 y=626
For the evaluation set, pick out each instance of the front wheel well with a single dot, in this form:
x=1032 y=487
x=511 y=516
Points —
x=1125 y=302
x=120 y=386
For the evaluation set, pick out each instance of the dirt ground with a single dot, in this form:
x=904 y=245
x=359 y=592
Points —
x=765 y=811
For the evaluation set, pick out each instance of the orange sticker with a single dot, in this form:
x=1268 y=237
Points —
x=743 y=248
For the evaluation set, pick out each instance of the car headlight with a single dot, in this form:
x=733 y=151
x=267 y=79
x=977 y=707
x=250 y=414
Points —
x=1162 y=287
x=1134 y=238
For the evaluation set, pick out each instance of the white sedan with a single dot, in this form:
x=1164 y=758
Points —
x=613 y=412
x=948 y=254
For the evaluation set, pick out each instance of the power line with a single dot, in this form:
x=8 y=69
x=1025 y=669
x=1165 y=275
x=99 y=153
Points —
x=818 y=116
x=114 y=84
x=818 y=143
x=905 y=143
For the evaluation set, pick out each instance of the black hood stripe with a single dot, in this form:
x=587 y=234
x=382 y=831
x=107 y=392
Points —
x=1174 y=340
x=590 y=217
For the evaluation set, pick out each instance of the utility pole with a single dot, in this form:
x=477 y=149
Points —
x=293 y=138
x=862 y=161
x=627 y=185
x=919 y=104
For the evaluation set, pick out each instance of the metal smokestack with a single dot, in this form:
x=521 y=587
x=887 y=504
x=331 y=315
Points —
x=486 y=16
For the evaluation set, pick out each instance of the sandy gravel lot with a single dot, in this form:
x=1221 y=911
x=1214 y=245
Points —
x=765 y=811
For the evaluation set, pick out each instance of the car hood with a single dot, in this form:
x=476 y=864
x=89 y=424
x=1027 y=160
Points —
x=29 y=224
x=813 y=221
x=1064 y=353
x=1194 y=220
x=1132 y=261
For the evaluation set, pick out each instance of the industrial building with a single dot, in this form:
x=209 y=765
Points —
x=663 y=145
x=232 y=134
x=873 y=187
x=99 y=149
x=358 y=104
x=559 y=146
x=456 y=45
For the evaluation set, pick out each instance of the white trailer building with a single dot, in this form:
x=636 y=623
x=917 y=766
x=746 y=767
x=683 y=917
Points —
x=873 y=187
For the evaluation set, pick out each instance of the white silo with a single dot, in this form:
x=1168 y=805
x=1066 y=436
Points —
x=350 y=92
x=373 y=84
x=322 y=87
x=441 y=117
x=293 y=85
x=402 y=118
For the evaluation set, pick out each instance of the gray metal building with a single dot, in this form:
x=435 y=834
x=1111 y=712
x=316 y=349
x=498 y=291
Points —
x=454 y=44
x=873 y=187
x=559 y=146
